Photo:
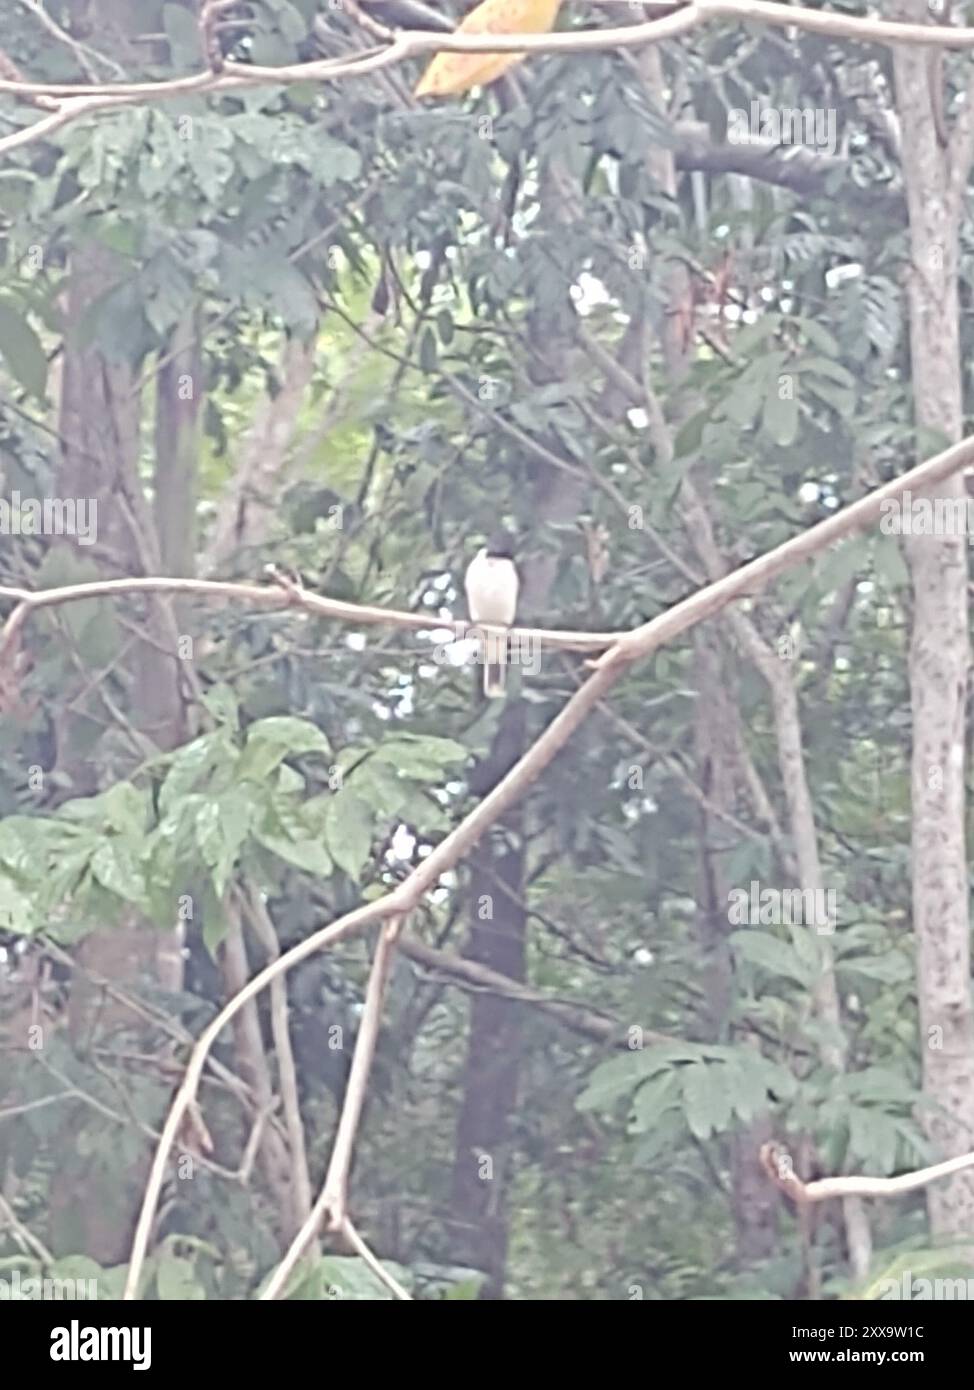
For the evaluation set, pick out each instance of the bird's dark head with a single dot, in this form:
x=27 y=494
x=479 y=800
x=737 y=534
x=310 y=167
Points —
x=500 y=545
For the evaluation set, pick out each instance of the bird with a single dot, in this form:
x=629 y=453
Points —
x=452 y=73
x=491 y=585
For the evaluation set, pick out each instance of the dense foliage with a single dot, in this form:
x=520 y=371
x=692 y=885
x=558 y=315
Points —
x=402 y=316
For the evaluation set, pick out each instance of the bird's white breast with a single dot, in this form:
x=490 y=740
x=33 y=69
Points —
x=491 y=585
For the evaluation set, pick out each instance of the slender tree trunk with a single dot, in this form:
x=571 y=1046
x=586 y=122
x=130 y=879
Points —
x=482 y=1158
x=99 y=427
x=939 y=645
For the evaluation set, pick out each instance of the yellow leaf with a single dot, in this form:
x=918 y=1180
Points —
x=451 y=73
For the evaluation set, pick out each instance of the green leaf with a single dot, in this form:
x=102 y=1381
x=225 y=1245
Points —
x=747 y=1091
x=183 y=34
x=177 y=1281
x=775 y=956
x=348 y=832
x=125 y=808
x=336 y=162
x=819 y=337
x=916 y=1264
x=779 y=418
x=68 y=870
x=873 y=1138
x=309 y=855
x=16 y=909
x=80 y=1268
x=342 y=1277
x=290 y=22
x=808 y=945
x=21 y=351
x=271 y=283
x=289 y=782
x=822 y=366
x=193 y=763
x=160 y=161
x=706 y=1098
x=748 y=338
x=212 y=167
x=744 y=401
x=380 y=784
x=690 y=434
x=222 y=826
x=215 y=926
x=117 y=868
x=270 y=741
x=653 y=1099
x=293 y=734
x=842 y=402
x=466 y=1292
x=221 y=703
x=610 y=1080
x=421 y=757
x=26 y=840
x=888 y=970
x=428 y=350
x=167 y=292
x=880 y=1084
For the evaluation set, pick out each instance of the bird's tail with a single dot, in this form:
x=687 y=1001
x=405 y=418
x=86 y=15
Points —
x=495 y=679
x=495 y=664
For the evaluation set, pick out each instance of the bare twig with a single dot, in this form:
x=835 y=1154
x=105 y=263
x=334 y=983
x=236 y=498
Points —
x=364 y=1253
x=10 y=1110
x=26 y=1238
x=283 y=593
x=260 y=920
x=331 y=1207
x=778 y=1166
x=83 y=100
x=83 y=54
x=210 y=12
x=470 y=974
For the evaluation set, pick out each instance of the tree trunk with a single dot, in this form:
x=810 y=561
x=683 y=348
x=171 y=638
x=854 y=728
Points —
x=482 y=1157
x=99 y=427
x=939 y=646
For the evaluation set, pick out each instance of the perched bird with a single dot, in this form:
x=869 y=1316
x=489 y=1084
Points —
x=491 y=583
x=451 y=73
